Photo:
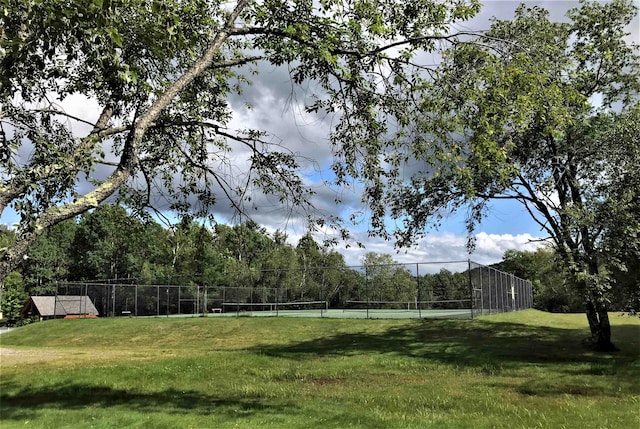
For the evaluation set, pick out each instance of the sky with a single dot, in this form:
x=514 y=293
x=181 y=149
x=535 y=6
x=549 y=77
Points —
x=279 y=110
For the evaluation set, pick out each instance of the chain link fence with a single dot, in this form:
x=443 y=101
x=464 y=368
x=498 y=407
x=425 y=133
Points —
x=461 y=289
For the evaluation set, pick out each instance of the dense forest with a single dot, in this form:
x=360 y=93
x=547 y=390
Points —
x=111 y=244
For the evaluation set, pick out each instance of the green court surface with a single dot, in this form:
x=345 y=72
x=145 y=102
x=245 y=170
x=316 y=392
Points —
x=352 y=313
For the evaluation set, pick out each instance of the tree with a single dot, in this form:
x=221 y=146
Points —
x=621 y=242
x=334 y=277
x=551 y=290
x=7 y=238
x=281 y=266
x=311 y=260
x=162 y=74
x=154 y=254
x=388 y=280
x=104 y=242
x=196 y=257
x=13 y=299
x=50 y=258
x=544 y=114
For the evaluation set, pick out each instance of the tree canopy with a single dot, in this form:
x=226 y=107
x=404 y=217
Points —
x=163 y=73
x=545 y=114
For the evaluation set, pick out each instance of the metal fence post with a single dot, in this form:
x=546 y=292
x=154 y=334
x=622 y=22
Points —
x=55 y=301
x=503 y=293
x=418 y=295
x=471 y=288
x=366 y=287
x=197 y=299
x=531 y=293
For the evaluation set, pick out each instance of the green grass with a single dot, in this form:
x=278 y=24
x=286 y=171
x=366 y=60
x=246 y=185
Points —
x=517 y=370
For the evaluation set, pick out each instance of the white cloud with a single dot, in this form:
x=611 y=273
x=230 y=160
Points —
x=445 y=247
x=490 y=248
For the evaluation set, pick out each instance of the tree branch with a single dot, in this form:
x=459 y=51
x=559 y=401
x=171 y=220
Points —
x=128 y=161
x=24 y=179
x=246 y=31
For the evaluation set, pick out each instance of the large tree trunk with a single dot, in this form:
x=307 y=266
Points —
x=589 y=282
x=598 y=318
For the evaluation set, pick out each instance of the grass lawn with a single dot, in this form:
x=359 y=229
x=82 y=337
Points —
x=516 y=370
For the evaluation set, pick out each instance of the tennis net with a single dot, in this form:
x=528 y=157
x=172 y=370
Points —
x=408 y=305
x=229 y=307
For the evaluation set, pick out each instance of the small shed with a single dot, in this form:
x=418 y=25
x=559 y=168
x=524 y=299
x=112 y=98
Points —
x=53 y=307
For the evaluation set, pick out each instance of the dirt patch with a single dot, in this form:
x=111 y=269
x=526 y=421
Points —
x=51 y=357
x=18 y=357
x=69 y=357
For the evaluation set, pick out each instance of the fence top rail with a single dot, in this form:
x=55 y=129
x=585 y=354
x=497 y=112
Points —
x=480 y=266
x=79 y=283
x=471 y=265
x=408 y=302
x=404 y=264
x=272 y=303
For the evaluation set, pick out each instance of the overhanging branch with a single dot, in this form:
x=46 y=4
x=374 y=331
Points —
x=128 y=161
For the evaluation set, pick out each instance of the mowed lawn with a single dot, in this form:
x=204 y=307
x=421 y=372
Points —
x=517 y=370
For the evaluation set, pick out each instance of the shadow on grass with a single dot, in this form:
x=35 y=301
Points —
x=24 y=402
x=488 y=347
x=536 y=361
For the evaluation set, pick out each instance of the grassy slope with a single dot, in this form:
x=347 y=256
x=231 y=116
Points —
x=524 y=369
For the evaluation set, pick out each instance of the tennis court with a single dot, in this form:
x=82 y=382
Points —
x=352 y=314
x=460 y=289
x=358 y=310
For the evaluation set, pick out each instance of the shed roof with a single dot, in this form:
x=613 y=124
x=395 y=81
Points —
x=63 y=305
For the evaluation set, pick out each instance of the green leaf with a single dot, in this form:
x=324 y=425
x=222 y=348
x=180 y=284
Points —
x=115 y=35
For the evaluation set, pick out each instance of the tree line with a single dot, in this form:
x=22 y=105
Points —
x=110 y=244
